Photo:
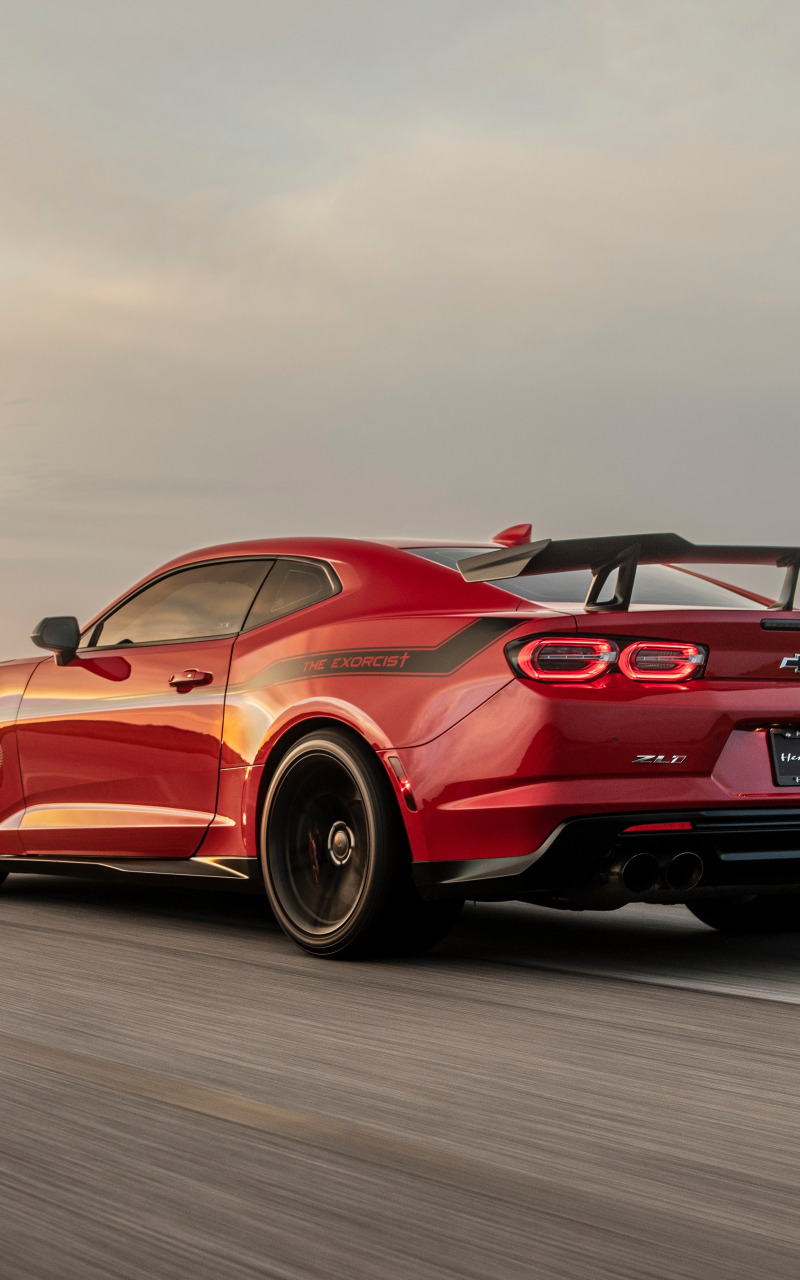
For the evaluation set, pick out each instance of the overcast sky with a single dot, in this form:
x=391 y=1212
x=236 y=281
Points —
x=361 y=267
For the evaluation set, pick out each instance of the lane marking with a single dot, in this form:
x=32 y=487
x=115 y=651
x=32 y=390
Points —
x=342 y=1136
x=346 y=1138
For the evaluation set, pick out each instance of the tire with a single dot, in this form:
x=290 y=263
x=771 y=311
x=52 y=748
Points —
x=335 y=857
x=778 y=913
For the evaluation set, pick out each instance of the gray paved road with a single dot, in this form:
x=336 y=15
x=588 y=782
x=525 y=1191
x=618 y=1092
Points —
x=184 y=1094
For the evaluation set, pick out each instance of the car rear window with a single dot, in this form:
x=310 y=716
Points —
x=292 y=585
x=655 y=584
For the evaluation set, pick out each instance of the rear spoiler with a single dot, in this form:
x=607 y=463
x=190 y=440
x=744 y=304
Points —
x=604 y=555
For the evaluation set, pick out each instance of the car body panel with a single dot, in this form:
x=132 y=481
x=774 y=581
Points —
x=740 y=648
x=14 y=676
x=407 y=681
x=113 y=759
x=500 y=782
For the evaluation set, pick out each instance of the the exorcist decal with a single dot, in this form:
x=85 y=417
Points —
x=409 y=660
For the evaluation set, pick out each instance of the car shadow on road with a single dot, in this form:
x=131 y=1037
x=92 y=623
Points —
x=233 y=909
x=636 y=942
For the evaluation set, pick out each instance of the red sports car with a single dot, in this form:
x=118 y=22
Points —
x=374 y=731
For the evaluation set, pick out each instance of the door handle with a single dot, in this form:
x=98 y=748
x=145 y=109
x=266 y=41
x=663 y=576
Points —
x=186 y=680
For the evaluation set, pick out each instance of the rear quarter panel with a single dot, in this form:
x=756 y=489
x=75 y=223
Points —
x=405 y=651
x=396 y=680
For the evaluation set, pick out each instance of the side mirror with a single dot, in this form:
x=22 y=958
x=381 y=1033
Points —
x=61 y=634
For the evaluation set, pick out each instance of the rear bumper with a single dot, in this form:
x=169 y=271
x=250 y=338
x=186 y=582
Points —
x=742 y=850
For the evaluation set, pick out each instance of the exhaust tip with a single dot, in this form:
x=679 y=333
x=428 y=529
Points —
x=640 y=873
x=684 y=871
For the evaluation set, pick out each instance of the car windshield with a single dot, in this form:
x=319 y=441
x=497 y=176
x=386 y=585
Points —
x=655 y=584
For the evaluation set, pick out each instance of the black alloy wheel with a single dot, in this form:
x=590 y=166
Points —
x=764 y=913
x=335 y=856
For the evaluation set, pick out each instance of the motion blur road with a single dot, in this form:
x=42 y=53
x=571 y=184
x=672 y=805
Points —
x=185 y=1094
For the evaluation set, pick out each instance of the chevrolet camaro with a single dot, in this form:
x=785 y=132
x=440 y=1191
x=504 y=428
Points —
x=372 y=732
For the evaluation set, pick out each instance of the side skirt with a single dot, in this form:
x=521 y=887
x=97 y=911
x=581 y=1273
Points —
x=233 y=875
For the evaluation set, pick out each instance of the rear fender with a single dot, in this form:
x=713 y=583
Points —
x=242 y=791
x=396 y=681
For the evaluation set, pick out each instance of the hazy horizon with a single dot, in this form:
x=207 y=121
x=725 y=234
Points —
x=373 y=270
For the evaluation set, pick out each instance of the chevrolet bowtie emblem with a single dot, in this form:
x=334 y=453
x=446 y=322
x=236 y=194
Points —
x=792 y=663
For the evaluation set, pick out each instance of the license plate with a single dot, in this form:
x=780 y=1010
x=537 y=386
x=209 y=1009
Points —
x=785 y=745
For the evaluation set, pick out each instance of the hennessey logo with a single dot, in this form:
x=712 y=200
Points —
x=792 y=663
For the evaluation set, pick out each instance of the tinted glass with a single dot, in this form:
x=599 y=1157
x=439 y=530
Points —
x=654 y=584
x=206 y=600
x=292 y=585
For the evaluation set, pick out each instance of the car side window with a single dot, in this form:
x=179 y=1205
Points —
x=292 y=585
x=198 y=602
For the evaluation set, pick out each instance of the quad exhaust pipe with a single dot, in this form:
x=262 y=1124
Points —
x=683 y=872
x=641 y=873
x=632 y=877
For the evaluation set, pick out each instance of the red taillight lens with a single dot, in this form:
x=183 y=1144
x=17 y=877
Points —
x=651 y=660
x=554 y=658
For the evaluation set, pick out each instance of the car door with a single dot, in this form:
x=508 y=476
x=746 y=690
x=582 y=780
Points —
x=119 y=748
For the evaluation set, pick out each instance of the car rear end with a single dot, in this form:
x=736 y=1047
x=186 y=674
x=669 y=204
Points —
x=643 y=753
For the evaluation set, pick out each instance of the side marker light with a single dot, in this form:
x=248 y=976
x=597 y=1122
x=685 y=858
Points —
x=404 y=783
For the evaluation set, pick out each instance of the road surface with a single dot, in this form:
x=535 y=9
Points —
x=184 y=1094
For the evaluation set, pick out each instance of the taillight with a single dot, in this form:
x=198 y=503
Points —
x=554 y=658
x=651 y=660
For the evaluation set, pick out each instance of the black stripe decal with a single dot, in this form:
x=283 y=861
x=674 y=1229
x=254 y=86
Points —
x=421 y=660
